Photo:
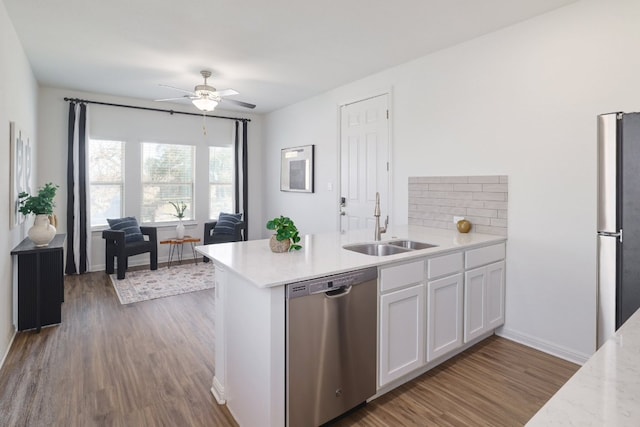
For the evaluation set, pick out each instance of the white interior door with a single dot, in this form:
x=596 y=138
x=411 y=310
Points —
x=364 y=162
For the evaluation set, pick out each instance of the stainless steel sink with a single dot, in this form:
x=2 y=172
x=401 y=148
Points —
x=377 y=249
x=410 y=244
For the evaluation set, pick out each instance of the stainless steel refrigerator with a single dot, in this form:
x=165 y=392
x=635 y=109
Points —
x=618 y=220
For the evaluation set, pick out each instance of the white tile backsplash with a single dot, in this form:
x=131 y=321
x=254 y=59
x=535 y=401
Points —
x=483 y=200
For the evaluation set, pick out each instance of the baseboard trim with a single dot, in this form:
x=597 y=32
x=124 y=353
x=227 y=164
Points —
x=218 y=391
x=544 y=346
x=6 y=353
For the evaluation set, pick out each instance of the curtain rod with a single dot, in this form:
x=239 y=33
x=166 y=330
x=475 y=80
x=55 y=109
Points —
x=85 y=101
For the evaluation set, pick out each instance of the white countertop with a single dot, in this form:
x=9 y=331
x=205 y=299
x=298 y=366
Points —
x=322 y=254
x=605 y=391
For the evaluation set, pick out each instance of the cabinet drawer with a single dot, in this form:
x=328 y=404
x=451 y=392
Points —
x=444 y=265
x=401 y=275
x=486 y=255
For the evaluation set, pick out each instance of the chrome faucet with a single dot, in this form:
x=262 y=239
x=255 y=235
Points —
x=376 y=212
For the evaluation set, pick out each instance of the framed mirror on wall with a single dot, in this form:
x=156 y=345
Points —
x=296 y=169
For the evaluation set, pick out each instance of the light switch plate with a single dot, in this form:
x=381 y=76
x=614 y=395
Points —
x=457 y=218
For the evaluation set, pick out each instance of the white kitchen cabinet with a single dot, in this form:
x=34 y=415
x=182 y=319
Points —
x=445 y=265
x=402 y=321
x=484 y=255
x=495 y=295
x=444 y=313
x=483 y=300
x=401 y=275
x=474 y=303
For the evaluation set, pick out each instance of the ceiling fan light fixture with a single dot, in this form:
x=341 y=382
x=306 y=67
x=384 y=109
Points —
x=205 y=104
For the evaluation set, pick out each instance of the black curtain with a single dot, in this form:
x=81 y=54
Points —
x=241 y=177
x=245 y=180
x=236 y=166
x=78 y=246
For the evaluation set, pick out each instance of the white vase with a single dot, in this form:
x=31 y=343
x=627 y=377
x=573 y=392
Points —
x=180 y=230
x=42 y=232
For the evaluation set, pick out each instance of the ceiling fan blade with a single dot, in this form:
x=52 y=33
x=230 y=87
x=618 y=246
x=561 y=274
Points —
x=180 y=97
x=240 y=103
x=225 y=92
x=173 y=99
x=177 y=88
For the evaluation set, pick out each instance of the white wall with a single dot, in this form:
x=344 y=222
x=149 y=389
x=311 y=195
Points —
x=135 y=126
x=520 y=102
x=18 y=95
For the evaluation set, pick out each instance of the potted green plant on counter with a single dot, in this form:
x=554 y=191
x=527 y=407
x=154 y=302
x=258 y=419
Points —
x=286 y=237
x=41 y=205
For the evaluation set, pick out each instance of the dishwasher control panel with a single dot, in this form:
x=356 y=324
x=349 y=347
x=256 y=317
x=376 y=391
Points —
x=329 y=283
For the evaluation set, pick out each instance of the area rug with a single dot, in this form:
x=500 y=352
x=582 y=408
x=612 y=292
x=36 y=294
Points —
x=142 y=285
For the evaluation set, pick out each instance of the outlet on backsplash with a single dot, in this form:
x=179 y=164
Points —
x=457 y=218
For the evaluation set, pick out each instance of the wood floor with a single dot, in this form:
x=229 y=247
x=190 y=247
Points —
x=495 y=383
x=151 y=364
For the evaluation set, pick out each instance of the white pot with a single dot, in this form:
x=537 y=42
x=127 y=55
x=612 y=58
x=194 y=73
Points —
x=180 y=230
x=42 y=232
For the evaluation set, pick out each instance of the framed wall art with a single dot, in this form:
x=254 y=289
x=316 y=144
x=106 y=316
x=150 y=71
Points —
x=296 y=169
x=19 y=171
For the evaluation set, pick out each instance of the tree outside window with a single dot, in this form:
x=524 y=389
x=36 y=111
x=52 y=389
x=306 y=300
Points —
x=167 y=176
x=106 y=180
x=221 y=189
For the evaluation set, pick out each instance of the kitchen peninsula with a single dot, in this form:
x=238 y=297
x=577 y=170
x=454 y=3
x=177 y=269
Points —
x=250 y=306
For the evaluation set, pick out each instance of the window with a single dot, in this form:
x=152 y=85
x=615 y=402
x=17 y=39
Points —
x=220 y=181
x=106 y=177
x=167 y=176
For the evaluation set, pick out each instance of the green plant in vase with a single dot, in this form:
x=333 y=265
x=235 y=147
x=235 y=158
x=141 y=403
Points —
x=40 y=204
x=285 y=230
x=180 y=208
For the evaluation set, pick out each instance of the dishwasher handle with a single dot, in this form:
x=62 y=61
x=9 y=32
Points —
x=338 y=293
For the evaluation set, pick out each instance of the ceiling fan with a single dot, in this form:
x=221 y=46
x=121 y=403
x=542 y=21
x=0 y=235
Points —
x=206 y=97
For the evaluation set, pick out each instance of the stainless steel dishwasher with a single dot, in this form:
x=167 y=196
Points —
x=330 y=346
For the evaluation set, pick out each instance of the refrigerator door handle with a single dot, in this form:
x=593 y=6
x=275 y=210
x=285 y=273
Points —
x=611 y=234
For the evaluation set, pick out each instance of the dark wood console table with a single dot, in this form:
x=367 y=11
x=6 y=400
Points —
x=40 y=283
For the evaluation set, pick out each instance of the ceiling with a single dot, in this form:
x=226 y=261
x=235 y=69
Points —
x=275 y=53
